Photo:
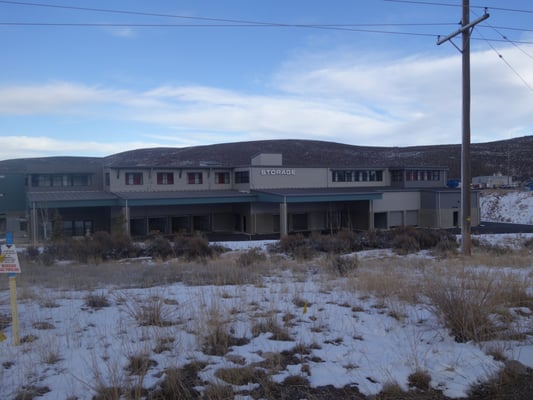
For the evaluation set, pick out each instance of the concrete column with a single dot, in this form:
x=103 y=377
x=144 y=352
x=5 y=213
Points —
x=283 y=219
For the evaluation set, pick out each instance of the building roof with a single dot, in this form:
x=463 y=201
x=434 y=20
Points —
x=315 y=195
x=51 y=165
x=72 y=199
x=185 y=197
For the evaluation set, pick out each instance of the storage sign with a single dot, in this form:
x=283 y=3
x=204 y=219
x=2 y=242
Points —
x=9 y=261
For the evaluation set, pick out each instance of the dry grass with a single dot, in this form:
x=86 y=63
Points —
x=476 y=298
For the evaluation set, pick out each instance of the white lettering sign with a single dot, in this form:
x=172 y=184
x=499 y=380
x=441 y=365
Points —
x=278 y=172
x=9 y=261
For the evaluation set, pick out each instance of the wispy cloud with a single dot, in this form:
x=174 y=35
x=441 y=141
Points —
x=41 y=146
x=409 y=101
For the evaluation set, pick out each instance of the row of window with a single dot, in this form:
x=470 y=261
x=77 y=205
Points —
x=416 y=175
x=60 y=180
x=355 y=175
x=167 y=178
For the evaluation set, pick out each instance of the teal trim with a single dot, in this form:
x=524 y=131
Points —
x=12 y=192
x=257 y=196
x=187 y=201
x=316 y=198
x=74 y=203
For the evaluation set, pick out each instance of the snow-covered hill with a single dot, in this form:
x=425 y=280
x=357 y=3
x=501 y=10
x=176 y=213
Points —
x=507 y=206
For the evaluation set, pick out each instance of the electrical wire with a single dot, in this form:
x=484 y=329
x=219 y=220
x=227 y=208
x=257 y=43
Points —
x=506 y=39
x=237 y=23
x=432 y=3
x=509 y=65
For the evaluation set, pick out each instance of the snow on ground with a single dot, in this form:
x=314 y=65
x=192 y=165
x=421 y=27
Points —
x=72 y=348
x=507 y=206
x=356 y=341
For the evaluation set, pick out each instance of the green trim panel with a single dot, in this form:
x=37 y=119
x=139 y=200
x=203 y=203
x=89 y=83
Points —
x=316 y=198
x=187 y=201
x=74 y=203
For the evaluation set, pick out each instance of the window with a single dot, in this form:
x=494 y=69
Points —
x=222 y=178
x=107 y=178
x=41 y=180
x=134 y=178
x=194 y=178
x=423 y=175
x=397 y=175
x=242 y=177
x=354 y=175
x=338 y=176
x=165 y=178
x=78 y=180
x=77 y=228
x=60 y=180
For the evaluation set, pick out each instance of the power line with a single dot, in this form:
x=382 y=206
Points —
x=510 y=66
x=237 y=23
x=433 y=3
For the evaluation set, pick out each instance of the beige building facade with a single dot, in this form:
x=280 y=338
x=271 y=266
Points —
x=265 y=195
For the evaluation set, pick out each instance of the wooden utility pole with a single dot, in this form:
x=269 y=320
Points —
x=466 y=176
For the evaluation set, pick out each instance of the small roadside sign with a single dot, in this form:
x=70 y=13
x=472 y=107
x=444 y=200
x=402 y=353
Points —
x=9 y=261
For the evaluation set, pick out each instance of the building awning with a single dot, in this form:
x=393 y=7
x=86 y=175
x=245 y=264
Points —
x=316 y=195
x=185 y=198
x=71 y=199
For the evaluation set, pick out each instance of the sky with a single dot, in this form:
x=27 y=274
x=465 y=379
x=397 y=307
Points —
x=99 y=77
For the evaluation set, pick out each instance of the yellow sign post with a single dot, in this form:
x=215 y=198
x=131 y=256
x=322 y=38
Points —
x=9 y=263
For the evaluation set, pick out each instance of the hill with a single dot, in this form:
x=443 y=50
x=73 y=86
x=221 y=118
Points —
x=508 y=157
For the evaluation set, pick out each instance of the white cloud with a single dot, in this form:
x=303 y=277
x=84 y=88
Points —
x=409 y=101
x=41 y=146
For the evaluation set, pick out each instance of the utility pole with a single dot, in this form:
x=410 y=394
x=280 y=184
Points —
x=466 y=176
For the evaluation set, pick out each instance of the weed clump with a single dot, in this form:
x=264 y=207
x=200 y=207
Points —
x=251 y=257
x=193 y=248
x=97 y=301
x=343 y=265
x=159 y=247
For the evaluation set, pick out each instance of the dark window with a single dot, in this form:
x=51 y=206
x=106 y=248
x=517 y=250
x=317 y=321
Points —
x=194 y=178
x=134 y=178
x=59 y=180
x=165 y=178
x=222 y=178
x=397 y=176
x=354 y=175
x=78 y=180
x=41 y=180
x=107 y=178
x=77 y=228
x=242 y=177
x=299 y=222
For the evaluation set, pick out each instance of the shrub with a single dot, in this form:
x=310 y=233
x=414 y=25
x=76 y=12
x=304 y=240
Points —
x=270 y=325
x=446 y=247
x=465 y=309
x=193 y=248
x=296 y=246
x=405 y=244
x=340 y=243
x=419 y=380
x=32 y=253
x=179 y=383
x=150 y=312
x=251 y=257
x=159 y=247
x=342 y=265
x=241 y=375
x=97 y=301
x=5 y=321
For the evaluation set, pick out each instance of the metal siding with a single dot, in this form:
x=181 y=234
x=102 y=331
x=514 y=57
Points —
x=395 y=218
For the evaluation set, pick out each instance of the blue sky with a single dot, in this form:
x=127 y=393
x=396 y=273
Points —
x=105 y=83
